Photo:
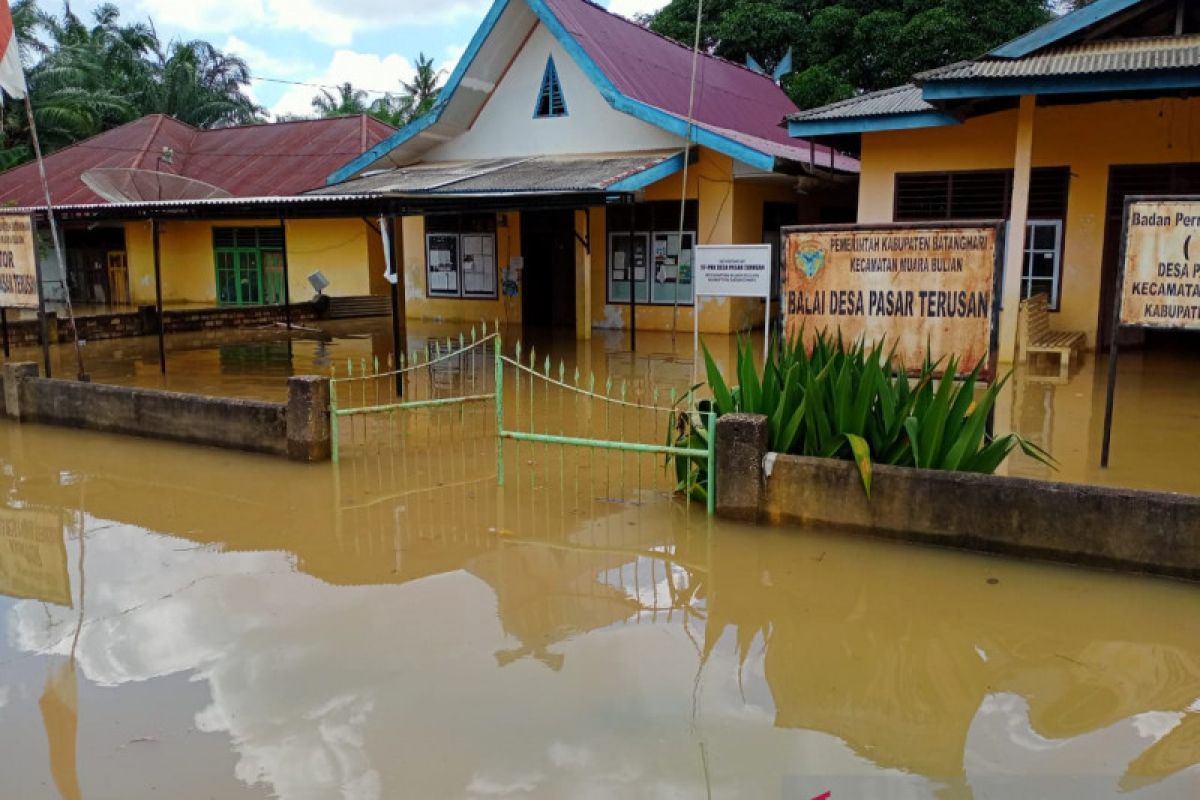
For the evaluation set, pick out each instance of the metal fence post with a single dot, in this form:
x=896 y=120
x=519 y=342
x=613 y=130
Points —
x=333 y=420
x=500 y=412
x=712 y=462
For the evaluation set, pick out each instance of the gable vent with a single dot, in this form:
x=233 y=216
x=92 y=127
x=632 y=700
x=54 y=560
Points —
x=550 y=102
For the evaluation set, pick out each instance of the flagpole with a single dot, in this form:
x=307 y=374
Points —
x=62 y=262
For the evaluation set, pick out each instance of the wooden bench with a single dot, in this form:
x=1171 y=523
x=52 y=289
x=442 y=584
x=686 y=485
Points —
x=1037 y=337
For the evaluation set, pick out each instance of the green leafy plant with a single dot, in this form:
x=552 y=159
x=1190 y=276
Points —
x=858 y=402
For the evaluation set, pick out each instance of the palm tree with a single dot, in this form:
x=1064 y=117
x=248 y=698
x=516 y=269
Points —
x=347 y=101
x=422 y=93
x=418 y=96
x=198 y=84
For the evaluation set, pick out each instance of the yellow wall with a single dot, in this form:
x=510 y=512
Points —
x=1087 y=138
x=418 y=305
x=729 y=212
x=337 y=247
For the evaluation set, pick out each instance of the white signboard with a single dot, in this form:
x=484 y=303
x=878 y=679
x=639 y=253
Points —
x=733 y=270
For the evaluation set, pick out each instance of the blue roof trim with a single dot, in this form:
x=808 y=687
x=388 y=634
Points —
x=1064 y=26
x=1115 y=82
x=646 y=113
x=879 y=122
x=434 y=114
x=640 y=180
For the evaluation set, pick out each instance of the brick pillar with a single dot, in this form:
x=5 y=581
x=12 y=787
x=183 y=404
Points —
x=14 y=373
x=741 y=448
x=308 y=418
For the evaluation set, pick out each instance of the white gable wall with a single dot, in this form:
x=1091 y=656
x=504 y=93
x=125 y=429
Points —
x=506 y=125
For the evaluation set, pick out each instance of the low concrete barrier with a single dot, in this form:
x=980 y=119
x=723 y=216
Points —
x=144 y=322
x=298 y=429
x=1125 y=529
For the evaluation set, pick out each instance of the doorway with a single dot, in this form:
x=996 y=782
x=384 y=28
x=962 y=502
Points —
x=548 y=283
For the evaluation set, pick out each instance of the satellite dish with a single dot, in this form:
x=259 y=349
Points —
x=130 y=185
x=318 y=281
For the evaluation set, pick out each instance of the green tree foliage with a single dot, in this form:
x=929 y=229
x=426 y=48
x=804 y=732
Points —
x=85 y=77
x=844 y=47
x=346 y=101
x=416 y=99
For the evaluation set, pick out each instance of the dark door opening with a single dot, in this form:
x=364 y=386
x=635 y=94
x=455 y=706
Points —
x=548 y=283
x=97 y=266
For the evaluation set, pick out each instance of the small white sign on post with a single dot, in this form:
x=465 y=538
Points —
x=733 y=270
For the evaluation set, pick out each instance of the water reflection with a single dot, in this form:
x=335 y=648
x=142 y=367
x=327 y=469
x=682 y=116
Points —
x=409 y=630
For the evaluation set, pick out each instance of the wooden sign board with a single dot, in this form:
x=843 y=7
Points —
x=33 y=556
x=1159 y=282
x=923 y=288
x=1161 y=269
x=18 y=262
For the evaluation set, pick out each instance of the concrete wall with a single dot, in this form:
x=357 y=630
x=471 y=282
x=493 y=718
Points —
x=1118 y=528
x=132 y=323
x=1087 y=138
x=298 y=429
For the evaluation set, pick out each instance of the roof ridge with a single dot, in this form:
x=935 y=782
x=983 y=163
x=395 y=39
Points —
x=681 y=45
x=308 y=120
x=86 y=140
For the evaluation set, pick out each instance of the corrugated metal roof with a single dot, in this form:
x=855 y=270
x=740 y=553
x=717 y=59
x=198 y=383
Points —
x=899 y=100
x=540 y=174
x=1122 y=55
x=657 y=71
x=283 y=158
x=206 y=202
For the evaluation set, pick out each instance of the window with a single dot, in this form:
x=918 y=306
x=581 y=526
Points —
x=249 y=265
x=657 y=260
x=981 y=194
x=550 y=102
x=987 y=194
x=1043 y=251
x=460 y=256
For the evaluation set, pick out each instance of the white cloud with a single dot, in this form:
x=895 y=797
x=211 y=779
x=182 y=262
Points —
x=630 y=8
x=334 y=22
x=363 y=70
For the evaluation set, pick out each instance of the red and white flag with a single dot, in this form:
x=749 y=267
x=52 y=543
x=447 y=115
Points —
x=12 y=72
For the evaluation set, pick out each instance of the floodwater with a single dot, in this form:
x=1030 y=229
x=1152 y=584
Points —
x=191 y=623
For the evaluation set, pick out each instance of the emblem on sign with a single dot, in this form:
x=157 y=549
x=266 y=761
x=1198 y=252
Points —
x=810 y=257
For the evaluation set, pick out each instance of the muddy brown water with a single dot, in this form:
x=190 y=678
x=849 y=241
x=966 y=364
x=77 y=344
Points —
x=191 y=623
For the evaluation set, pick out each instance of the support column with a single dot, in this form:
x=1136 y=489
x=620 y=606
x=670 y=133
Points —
x=158 y=301
x=393 y=254
x=583 y=275
x=1018 y=217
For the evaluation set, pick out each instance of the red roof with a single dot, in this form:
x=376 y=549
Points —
x=281 y=158
x=657 y=71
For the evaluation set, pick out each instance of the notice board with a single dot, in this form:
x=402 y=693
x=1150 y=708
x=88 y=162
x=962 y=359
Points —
x=18 y=262
x=929 y=287
x=1161 y=270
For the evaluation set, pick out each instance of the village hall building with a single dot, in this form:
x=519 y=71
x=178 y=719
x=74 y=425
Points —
x=215 y=194
x=545 y=185
x=1051 y=131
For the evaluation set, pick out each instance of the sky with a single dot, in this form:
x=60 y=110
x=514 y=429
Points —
x=370 y=43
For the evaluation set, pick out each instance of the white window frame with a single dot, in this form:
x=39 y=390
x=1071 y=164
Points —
x=486 y=257
x=1028 y=255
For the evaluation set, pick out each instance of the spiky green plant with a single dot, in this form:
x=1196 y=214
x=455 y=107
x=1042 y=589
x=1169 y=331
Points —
x=858 y=402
